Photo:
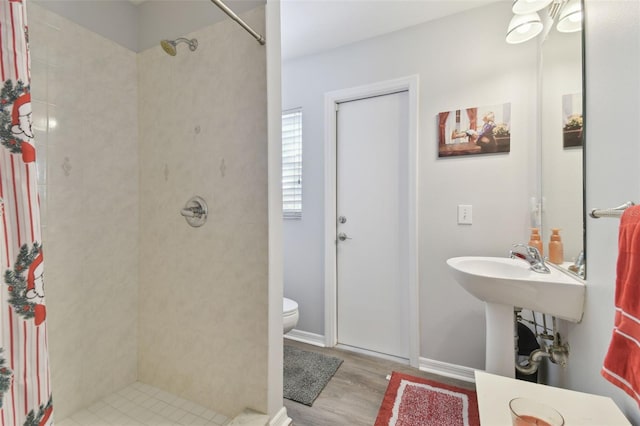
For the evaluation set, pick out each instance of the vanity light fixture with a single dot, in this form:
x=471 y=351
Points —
x=526 y=23
x=523 y=28
x=522 y=7
x=570 y=17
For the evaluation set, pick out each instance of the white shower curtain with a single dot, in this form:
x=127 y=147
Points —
x=25 y=390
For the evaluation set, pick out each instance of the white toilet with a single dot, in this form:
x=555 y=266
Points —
x=289 y=314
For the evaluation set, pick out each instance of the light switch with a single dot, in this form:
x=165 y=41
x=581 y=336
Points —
x=465 y=214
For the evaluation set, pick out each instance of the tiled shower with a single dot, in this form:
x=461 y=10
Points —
x=136 y=298
x=139 y=404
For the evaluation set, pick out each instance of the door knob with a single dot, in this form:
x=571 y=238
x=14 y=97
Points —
x=342 y=219
x=342 y=236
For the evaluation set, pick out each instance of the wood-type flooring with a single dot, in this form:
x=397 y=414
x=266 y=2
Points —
x=353 y=395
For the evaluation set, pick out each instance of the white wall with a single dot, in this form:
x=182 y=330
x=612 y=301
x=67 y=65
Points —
x=85 y=116
x=203 y=312
x=613 y=177
x=274 y=105
x=460 y=64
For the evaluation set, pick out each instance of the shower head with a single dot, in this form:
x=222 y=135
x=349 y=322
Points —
x=169 y=46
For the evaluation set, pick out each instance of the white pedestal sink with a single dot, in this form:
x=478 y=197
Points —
x=504 y=283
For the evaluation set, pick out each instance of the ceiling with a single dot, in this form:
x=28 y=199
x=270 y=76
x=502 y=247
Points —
x=312 y=26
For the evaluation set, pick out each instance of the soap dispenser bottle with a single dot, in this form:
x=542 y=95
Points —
x=556 y=254
x=535 y=241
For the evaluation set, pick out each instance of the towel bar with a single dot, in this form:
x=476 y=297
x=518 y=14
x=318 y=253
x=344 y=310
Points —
x=614 y=212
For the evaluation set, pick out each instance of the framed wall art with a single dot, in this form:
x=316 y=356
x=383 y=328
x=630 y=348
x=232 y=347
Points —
x=474 y=131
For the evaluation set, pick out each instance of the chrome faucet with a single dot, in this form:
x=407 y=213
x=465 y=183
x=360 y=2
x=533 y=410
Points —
x=531 y=255
x=579 y=266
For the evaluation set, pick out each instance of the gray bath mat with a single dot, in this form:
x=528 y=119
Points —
x=306 y=374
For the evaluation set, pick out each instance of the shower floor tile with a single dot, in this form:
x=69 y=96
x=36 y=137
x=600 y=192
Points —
x=144 y=405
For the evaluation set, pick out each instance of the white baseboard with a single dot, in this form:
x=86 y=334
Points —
x=441 y=368
x=373 y=354
x=281 y=418
x=306 y=337
x=453 y=371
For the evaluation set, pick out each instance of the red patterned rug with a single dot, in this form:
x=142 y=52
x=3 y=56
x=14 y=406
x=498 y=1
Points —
x=413 y=401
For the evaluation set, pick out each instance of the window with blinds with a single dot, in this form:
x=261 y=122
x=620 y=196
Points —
x=292 y=164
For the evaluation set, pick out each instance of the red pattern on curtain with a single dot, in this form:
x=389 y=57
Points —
x=25 y=388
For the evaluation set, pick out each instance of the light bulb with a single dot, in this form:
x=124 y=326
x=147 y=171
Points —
x=570 y=19
x=523 y=28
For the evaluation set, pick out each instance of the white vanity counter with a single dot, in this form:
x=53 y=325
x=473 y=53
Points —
x=577 y=408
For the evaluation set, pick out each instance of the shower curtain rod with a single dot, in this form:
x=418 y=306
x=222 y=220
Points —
x=235 y=17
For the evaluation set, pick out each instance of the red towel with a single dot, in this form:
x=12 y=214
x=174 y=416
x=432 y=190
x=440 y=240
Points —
x=622 y=362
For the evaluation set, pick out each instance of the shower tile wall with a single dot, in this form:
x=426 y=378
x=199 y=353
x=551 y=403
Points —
x=85 y=116
x=111 y=197
x=203 y=291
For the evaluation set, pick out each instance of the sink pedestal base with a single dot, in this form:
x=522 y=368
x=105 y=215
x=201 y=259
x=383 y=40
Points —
x=500 y=349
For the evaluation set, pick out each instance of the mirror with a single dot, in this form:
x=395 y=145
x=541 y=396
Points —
x=562 y=142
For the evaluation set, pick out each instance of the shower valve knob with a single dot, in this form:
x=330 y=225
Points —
x=195 y=211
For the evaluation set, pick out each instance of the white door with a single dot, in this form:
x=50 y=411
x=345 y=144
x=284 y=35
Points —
x=372 y=197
